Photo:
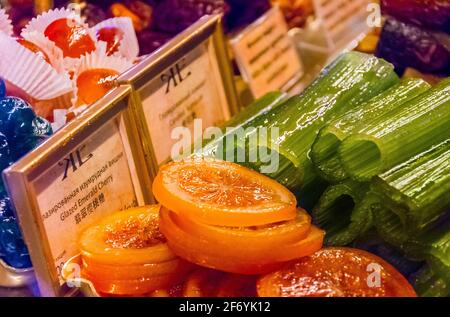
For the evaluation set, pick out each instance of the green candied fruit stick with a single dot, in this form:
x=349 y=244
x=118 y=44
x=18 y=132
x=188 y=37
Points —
x=344 y=212
x=399 y=135
x=418 y=188
x=324 y=152
x=350 y=80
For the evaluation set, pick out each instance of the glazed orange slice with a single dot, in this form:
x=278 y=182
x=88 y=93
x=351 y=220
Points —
x=262 y=237
x=222 y=193
x=336 y=272
x=130 y=272
x=139 y=286
x=235 y=257
x=130 y=237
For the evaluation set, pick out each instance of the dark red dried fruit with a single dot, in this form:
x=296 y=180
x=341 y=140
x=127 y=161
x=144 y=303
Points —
x=430 y=13
x=150 y=41
x=407 y=45
x=173 y=16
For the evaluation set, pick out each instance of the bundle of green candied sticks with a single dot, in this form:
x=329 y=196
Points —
x=363 y=149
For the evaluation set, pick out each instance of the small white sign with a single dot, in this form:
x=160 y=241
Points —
x=342 y=20
x=189 y=89
x=88 y=183
x=266 y=55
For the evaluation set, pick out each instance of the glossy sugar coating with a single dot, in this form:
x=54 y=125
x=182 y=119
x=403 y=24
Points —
x=95 y=83
x=20 y=132
x=72 y=38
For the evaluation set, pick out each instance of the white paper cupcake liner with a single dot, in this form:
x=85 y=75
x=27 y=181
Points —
x=96 y=60
x=54 y=53
x=30 y=72
x=42 y=21
x=5 y=23
x=129 y=46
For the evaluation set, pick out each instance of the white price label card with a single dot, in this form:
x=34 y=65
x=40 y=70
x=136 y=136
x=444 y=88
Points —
x=185 y=91
x=342 y=20
x=190 y=78
x=89 y=169
x=87 y=184
x=266 y=55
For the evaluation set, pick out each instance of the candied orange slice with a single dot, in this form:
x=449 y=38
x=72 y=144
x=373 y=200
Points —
x=130 y=272
x=93 y=84
x=235 y=257
x=222 y=193
x=262 y=237
x=130 y=237
x=139 y=286
x=336 y=272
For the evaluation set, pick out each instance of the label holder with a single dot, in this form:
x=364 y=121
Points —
x=290 y=84
x=207 y=30
x=19 y=178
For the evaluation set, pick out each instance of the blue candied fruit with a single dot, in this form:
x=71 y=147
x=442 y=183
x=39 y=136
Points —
x=5 y=152
x=12 y=247
x=2 y=88
x=20 y=132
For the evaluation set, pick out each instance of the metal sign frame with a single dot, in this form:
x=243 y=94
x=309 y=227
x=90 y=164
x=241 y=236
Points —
x=208 y=28
x=20 y=176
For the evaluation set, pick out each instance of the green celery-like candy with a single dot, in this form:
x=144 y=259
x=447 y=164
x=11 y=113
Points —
x=418 y=190
x=260 y=106
x=429 y=284
x=344 y=212
x=350 y=80
x=399 y=134
x=217 y=147
x=324 y=152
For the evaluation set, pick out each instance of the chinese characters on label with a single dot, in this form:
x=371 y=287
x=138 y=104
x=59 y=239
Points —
x=92 y=181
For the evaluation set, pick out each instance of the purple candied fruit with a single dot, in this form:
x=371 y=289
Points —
x=243 y=12
x=407 y=45
x=173 y=16
x=433 y=14
x=150 y=41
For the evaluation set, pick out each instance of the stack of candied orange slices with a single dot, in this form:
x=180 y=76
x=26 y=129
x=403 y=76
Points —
x=223 y=216
x=126 y=254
